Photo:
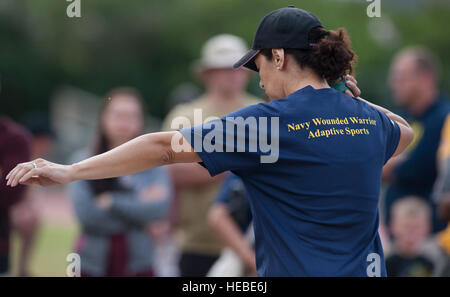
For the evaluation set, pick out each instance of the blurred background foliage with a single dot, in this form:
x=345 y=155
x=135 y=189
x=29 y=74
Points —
x=151 y=44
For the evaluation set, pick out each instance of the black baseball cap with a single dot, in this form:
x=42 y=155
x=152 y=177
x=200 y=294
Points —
x=287 y=27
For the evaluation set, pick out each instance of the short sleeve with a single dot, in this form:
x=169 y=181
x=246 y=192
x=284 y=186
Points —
x=392 y=132
x=241 y=140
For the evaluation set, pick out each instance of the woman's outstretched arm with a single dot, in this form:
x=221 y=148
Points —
x=144 y=152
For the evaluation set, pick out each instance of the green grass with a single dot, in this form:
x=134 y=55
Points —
x=53 y=244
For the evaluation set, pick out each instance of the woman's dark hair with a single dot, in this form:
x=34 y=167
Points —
x=330 y=54
x=101 y=144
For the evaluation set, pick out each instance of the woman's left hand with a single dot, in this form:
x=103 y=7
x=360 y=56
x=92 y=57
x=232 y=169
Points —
x=41 y=172
x=351 y=83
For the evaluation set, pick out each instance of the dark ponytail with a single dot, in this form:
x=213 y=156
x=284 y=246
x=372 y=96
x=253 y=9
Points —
x=330 y=54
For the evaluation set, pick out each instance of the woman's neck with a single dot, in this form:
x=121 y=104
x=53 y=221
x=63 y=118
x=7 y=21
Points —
x=303 y=79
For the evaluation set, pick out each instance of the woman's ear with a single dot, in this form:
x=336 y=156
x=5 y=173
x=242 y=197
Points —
x=278 y=58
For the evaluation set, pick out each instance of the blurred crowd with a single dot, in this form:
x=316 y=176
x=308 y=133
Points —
x=179 y=221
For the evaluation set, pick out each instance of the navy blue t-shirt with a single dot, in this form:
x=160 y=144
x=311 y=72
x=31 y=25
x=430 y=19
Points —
x=315 y=209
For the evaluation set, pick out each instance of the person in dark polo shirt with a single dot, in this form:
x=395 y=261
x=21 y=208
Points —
x=414 y=78
x=15 y=148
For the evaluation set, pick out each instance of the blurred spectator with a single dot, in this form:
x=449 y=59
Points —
x=410 y=227
x=230 y=216
x=14 y=149
x=224 y=93
x=414 y=79
x=24 y=215
x=114 y=213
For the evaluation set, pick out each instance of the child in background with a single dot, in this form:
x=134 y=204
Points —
x=410 y=227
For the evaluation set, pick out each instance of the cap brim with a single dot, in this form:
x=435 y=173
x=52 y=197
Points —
x=248 y=60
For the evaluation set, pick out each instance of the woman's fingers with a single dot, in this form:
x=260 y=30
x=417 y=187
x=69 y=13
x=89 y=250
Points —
x=351 y=83
x=21 y=170
x=45 y=174
x=351 y=78
x=34 y=172
x=14 y=176
x=13 y=171
x=352 y=86
x=19 y=176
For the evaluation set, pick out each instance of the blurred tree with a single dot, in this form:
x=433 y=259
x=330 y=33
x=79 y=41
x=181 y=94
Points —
x=150 y=44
